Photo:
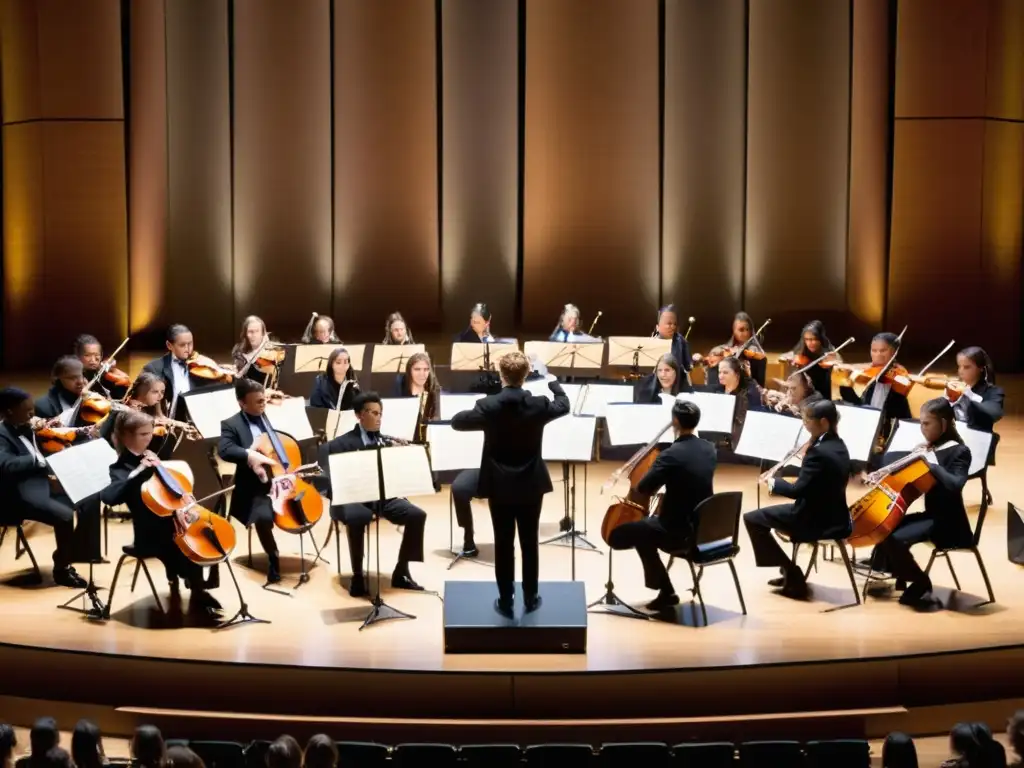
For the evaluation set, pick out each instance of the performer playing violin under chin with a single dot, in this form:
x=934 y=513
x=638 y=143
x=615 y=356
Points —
x=813 y=344
x=888 y=385
x=89 y=350
x=174 y=368
x=753 y=356
x=977 y=401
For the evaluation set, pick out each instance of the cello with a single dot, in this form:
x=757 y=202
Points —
x=636 y=505
x=297 y=504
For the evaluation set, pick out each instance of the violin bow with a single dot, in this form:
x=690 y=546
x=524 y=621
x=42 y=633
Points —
x=945 y=349
x=891 y=363
x=752 y=340
x=815 y=362
x=256 y=353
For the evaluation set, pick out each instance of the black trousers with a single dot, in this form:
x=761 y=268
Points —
x=398 y=511
x=86 y=544
x=261 y=518
x=893 y=554
x=154 y=537
x=759 y=523
x=463 y=492
x=647 y=536
x=506 y=518
x=61 y=517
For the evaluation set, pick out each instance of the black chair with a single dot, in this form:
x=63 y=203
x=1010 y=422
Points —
x=941 y=552
x=491 y=756
x=716 y=754
x=1014 y=533
x=839 y=544
x=560 y=756
x=716 y=541
x=986 y=495
x=777 y=754
x=416 y=755
x=645 y=754
x=21 y=547
x=838 y=753
x=256 y=753
x=179 y=743
x=362 y=754
x=129 y=552
x=220 y=754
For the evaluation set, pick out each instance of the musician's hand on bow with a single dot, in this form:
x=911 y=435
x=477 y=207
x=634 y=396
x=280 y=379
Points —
x=865 y=478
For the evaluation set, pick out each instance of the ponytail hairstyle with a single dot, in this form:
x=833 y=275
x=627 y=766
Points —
x=824 y=409
x=144 y=382
x=942 y=409
x=889 y=338
x=734 y=364
x=980 y=358
x=743 y=317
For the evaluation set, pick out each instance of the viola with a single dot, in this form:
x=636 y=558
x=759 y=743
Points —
x=52 y=439
x=115 y=377
x=636 y=505
x=718 y=354
x=204 y=367
x=297 y=504
x=268 y=359
x=954 y=387
x=94 y=408
x=896 y=486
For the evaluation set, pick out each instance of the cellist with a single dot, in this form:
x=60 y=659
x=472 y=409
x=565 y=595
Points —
x=944 y=520
x=686 y=469
x=153 y=535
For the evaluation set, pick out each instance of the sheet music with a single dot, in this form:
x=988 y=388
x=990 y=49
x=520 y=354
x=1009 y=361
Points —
x=858 y=427
x=398 y=418
x=908 y=436
x=208 y=409
x=83 y=470
x=451 y=450
x=769 y=436
x=452 y=404
x=289 y=415
x=580 y=355
x=312 y=358
x=469 y=356
x=355 y=476
x=569 y=438
x=716 y=410
x=646 y=350
x=540 y=388
x=340 y=422
x=597 y=398
x=638 y=423
x=391 y=358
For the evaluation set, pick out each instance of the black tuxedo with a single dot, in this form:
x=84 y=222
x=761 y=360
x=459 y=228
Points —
x=983 y=416
x=154 y=535
x=25 y=495
x=52 y=404
x=819 y=509
x=896 y=406
x=357 y=516
x=648 y=389
x=681 y=351
x=164 y=368
x=326 y=391
x=686 y=470
x=513 y=476
x=250 y=502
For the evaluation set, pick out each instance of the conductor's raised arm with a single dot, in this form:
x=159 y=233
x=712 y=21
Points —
x=472 y=420
x=560 y=405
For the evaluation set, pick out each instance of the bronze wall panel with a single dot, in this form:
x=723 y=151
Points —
x=1004 y=84
x=590 y=219
x=704 y=164
x=282 y=173
x=386 y=253
x=797 y=161
x=19 y=47
x=480 y=156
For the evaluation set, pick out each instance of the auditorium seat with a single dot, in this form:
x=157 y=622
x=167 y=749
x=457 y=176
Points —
x=424 y=756
x=491 y=755
x=362 y=754
x=220 y=754
x=634 y=755
x=777 y=754
x=838 y=753
x=716 y=754
x=256 y=753
x=560 y=756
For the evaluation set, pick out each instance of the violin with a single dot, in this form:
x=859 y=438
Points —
x=162 y=425
x=203 y=367
x=954 y=387
x=828 y=360
x=268 y=359
x=297 y=504
x=115 y=377
x=94 y=408
x=52 y=438
x=749 y=349
x=894 y=375
x=896 y=486
x=636 y=505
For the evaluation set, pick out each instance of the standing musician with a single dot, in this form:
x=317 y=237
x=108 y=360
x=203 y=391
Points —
x=327 y=389
x=366 y=434
x=513 y=476
x=320 y=331
x=819 y=509
x=814 y=343
x=419 y=381
x=888 y=392
x=667 y=327
x=396 y=331
x=479 y=329
x=89 y=350
x=733 y=380
x=173 y=368
x=668 y=379
x=250 y=502
x=25 y=491
x=686 y=469
x=944 y=521
x=254 y=330
x=977 y=401
x=756 y=360
x=568 y=327
x=154 y=535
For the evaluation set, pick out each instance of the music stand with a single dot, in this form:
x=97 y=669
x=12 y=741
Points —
x=635 y=352
x=858 y=428
x=469 y=356
x=582 y=355
x=570 y=441
x=375 y=475
x=452 y=451
x=768 y=437
x=391 y=358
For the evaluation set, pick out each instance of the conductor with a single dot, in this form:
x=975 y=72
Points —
x=513 y=476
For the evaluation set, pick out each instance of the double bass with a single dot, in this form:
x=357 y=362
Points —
x=636 y=505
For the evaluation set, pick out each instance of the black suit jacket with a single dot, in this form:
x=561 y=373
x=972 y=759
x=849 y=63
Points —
x=23 y=483
x=162 y=368
x=944 y=503
x=511 y=467
x=819 y=492
x=648 y=389
x=983 y=416
x=681 y=352
x=686 y=469
x=152 y=532
x=235 y=442
x=350 y=441
x=896 y=405
x=325 y=393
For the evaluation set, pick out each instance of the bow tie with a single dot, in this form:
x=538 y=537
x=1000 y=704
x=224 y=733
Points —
x=23 y=431
x=257 y=420
x=182 y=363
x=375 y=436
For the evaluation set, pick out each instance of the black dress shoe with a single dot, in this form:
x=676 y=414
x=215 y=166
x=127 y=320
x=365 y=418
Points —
x=504 y=607
x=175 y=588
x=469 y=550
x=68 y=577
x=358 y=588
x=917 y=592
x=404 y=581
x=200 y=598
x=778 y=581
x=663 y=601
x=273 y=574
x=532 y=603
x=794 y=586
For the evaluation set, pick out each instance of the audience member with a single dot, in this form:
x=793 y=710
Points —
x=284 y=753
x=8 y=741
x=180 y=756
x=87 y=745
x=898 y=751
x=321 y=752
x=43 y=737
x=972 y=746
x=55 y=758
x=1015 y=733
x=148 y=748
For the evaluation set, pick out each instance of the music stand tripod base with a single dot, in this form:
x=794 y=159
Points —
x=381 y=611
x=242 y=615
x=92 y=592
x=461 y=555
x=612 y=604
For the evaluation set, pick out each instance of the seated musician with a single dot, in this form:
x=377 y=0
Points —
x=366 y=434
x=146 y=396
x=173 y=369
x=68 y=385
x=742 y=330
x=89 y=350
x=686 y=469
x=944 y=521
x=819 y=509
x=396 y=331
x=419 y=381
x=668 y=328
x=254 y=330
x=977 y=401
x=250 y=502
x=321 y=331
x=813 y=344
x=25 y=491
x=479 y=329
x=153 y=535
x=733 y=380
x=668 y=379
x=327 y=389
x=568 y=328
x=886 y=393
x=797 y=391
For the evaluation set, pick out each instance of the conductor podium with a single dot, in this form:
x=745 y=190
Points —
x=471 y=625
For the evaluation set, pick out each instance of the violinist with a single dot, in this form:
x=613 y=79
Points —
x=154 y=535
x=668 y=328
x=146 y=396
x=327 y=389
x=173 y=368
x=419 y=381
x=686 y=469
x=668 y=379
x=396 y=331
x=254 y=330
x=814 y=343
x=977 y=401
x=320 y=331
x=25 y=491
x=568 y=327
x=944 y=521
x=733 y=380
x=754 y=356
x=888 y=392
x=819 y=509
x=479 y=329
x=366 y=434
x=250 y=503
x=68 y=377
x=90 y=352
x=797 y=392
